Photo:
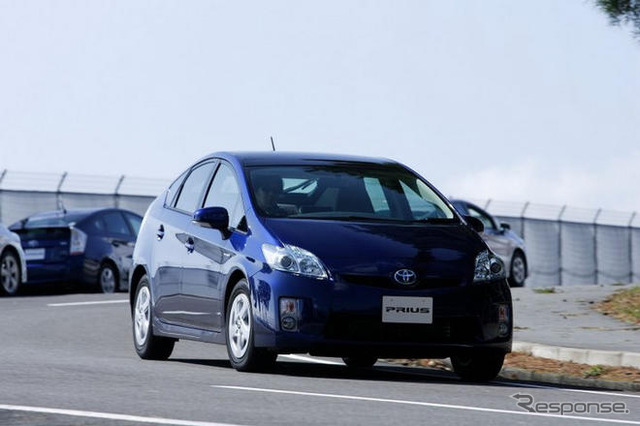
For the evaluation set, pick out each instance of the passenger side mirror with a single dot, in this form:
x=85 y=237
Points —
x=505 y=226
x=214 y=218
x=475 y=223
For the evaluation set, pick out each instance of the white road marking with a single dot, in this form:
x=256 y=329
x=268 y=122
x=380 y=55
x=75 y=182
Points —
x=605 y=393
x=428 y=404
x=109 y=416
x=314 y=360
x=100 y=302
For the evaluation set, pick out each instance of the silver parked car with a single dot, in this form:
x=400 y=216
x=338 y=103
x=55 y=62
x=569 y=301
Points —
x=502 y=240
x=12 y=262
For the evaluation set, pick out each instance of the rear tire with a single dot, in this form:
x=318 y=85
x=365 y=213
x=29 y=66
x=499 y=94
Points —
x=243 y=355
x=361 y=361
x=478 y=366
x=108 y=279
x=147 y=345
x=10 y=274
x=518 y=270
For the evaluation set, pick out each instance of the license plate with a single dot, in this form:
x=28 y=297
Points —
x=34 y=254
x=412 y=310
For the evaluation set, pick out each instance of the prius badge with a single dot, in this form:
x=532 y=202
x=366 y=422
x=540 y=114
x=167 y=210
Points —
x=405 y=276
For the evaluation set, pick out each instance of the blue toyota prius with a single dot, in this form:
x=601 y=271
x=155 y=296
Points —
x=275 y=253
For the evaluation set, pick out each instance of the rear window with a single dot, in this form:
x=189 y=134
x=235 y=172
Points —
x=44 y=233
x=61 y=220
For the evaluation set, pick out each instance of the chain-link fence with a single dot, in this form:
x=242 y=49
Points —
x=22 y=194
x=565 y=245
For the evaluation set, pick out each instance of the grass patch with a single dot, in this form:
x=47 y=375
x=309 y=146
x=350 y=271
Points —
x=594 y=371
x=623 y=305
x=548 y=290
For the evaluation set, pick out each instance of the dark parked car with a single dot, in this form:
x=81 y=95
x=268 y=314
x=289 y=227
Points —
x=502 y=240
x=330 y=255
x=13 y=268
x=90 y=246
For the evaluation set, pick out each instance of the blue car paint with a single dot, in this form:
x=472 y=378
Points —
x=61 y=266
x=190 y=288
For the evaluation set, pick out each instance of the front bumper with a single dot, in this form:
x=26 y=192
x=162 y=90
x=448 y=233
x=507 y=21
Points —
x=342 y=319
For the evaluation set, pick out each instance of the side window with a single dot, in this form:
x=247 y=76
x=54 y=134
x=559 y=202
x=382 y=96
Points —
x=95 y=225
x=172 y=192
x=486 y=220
x=134 y=221
x=115 y=223
x=194 y=186
x=224 y=192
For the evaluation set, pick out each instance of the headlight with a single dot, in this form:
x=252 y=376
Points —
x=489 y=267
x=295 y=260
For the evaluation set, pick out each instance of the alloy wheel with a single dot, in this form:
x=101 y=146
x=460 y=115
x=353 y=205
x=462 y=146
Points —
x=518 y=269
x=107 y=280
x=10 y=274
x=142 y=316
x=239 y=327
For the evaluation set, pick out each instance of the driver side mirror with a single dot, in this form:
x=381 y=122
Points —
x=475 y=223
x=214 y=218
x=505 y=226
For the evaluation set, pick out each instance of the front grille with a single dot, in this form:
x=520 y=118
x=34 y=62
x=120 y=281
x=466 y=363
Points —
x=388 y=282
x=370 y=329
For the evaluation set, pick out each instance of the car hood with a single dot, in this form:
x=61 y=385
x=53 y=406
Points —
x=380 y=249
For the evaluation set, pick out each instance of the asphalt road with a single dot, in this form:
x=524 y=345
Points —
x=68 y=359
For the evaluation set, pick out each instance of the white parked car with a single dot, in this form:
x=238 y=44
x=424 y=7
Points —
x=502 y=240
x=12 y=262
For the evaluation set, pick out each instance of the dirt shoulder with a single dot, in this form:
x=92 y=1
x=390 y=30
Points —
x=547 y=366
x=623 y=305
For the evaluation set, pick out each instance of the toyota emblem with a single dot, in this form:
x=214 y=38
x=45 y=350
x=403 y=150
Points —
x=405 y=276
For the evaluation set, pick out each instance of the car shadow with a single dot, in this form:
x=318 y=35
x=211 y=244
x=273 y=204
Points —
x=379 y=373
x=57 y=289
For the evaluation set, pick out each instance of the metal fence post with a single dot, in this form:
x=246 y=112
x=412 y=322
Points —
x=59 y=202
x=560 y=268
x=522 y=218
x=116 y=195
x=631 y=274
x=4 y=173
x=595 y=244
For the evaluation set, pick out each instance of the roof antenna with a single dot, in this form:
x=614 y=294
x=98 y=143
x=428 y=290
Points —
x=273 y=145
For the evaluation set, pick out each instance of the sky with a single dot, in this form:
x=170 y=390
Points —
x=518 y=101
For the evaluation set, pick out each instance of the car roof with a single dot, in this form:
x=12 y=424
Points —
x=76 y=212
x=271 y=158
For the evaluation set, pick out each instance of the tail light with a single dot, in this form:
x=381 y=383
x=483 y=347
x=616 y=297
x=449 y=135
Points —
x=78 y=241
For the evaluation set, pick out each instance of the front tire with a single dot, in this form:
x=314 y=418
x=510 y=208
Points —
x=147 y=345
x=518 y=272
x=10 y=274
x=478 y=366
x=243 y=355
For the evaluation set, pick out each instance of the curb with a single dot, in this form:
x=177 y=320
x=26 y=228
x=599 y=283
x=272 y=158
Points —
x=519 y=374
x=582 y=356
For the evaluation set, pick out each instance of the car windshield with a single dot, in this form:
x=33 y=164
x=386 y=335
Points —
x=350 y=193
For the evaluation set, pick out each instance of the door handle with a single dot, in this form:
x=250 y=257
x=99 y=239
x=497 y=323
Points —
x=160 y=233
x=189 y=244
